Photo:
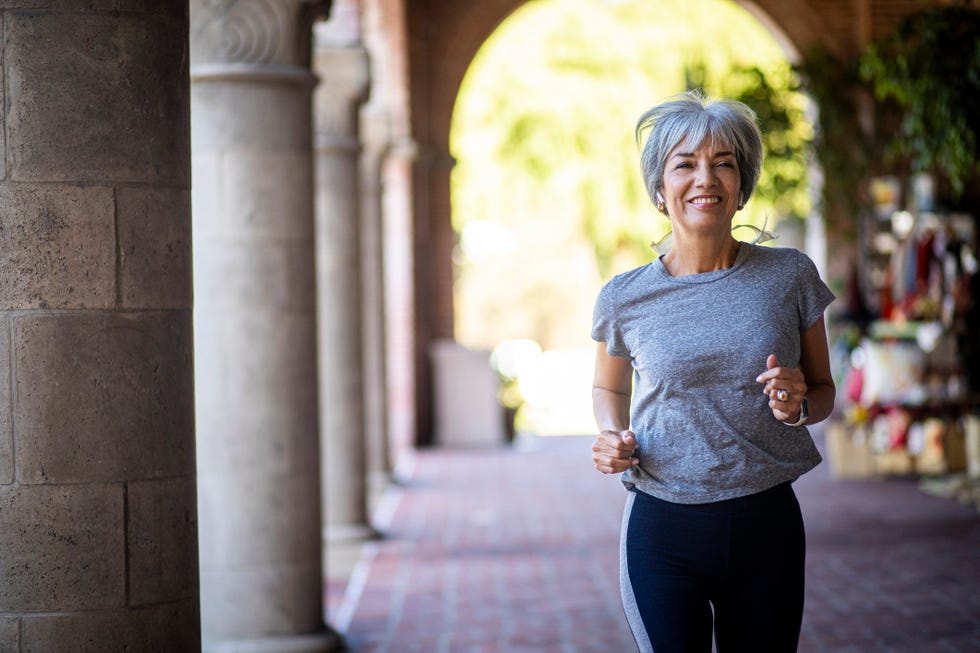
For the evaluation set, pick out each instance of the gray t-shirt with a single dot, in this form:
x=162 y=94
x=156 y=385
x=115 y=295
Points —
x=704 y=428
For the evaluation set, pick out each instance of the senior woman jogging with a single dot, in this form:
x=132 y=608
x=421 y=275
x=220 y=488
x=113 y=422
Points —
x=725 y=341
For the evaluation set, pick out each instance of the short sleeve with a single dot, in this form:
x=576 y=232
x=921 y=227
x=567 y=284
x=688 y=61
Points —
x=604 y=324
x=813 y=295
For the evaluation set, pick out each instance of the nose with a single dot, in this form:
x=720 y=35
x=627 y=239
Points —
x=705 y=177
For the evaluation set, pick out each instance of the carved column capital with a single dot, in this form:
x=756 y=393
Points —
x=343 y=73
x=343 y=70
x=252 y=32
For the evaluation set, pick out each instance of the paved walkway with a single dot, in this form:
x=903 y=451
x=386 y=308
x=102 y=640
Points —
x=516 y=551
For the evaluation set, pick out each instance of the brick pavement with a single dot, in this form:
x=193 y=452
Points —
x=516 y=551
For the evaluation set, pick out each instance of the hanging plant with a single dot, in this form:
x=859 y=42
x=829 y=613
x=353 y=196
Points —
x=930 y=68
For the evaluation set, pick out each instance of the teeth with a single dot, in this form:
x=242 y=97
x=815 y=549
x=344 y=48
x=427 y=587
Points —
x=705 y=200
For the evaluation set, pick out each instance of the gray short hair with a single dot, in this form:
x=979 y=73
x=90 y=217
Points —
x=691 y=118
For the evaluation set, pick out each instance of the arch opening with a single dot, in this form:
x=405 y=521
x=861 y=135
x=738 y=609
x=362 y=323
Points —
x=546 y=195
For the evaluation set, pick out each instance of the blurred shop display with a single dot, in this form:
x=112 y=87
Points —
x=909 y=373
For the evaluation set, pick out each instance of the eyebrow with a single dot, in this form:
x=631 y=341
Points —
x=690 y=154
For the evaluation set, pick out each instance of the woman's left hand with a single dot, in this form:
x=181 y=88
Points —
x=785 y=387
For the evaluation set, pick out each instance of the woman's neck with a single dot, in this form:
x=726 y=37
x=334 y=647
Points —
x=696 y=258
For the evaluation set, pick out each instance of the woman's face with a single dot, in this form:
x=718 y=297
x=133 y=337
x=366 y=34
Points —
x=701 y=186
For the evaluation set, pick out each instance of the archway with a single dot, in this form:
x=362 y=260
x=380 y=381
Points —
x=547 y=199
x=444 y=38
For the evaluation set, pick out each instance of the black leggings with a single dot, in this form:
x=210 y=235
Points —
x=734 y=566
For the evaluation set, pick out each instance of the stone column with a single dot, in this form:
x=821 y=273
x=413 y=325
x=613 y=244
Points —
x=387 y=134
x=400 y=323
x=258 y=451
x=433 y=243
x=374 y=137
x=342 y=71
x=98 y=519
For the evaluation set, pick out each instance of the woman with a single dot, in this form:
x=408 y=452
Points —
x=727 y=346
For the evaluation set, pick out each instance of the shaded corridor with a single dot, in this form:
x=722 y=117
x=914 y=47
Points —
x=516 y=550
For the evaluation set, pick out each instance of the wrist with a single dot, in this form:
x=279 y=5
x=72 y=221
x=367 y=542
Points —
x=804 y=414
x=613 y=429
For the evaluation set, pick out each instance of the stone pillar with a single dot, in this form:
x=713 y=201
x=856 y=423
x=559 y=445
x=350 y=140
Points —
x=258 y=451
x=387 y=134
x=374 y=137
x=342 y=70
x=433 y=238
x=399 y=263
x=98 y=518
x=378 y=31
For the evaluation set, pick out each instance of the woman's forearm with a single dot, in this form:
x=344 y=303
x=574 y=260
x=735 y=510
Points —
x=820 y=401
x=815 y=365
x=611 y=409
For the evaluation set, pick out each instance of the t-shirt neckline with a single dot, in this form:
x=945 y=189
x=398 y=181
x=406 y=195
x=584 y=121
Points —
x=703 y=277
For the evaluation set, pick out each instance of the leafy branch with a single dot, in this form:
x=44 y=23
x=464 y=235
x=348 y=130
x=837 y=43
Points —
x=930 y=68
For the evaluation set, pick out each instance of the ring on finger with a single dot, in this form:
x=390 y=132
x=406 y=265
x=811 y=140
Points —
x=782 y=395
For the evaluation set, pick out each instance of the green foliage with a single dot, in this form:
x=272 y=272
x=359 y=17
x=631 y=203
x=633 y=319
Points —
x=931 y=68
x=779 y=106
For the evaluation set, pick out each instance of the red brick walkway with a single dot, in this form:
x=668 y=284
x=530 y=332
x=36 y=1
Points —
x=516 y=551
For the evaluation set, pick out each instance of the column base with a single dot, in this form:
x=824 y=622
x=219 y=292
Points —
x=377 y=484
x=324 y=642
x=338 y=533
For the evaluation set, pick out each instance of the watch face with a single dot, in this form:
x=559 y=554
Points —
x=804 y=408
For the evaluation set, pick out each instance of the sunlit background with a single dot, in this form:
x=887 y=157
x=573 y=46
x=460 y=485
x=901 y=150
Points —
x=547 y=198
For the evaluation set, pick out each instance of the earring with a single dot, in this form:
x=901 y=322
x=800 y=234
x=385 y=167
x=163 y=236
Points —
x=661 y=205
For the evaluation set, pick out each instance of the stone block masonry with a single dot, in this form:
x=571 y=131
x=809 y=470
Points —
x=98 y=509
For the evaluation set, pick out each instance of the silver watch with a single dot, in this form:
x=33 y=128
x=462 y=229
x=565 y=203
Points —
x=804 y=414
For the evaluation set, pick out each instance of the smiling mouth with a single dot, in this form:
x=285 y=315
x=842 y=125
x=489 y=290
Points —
x=705 y=201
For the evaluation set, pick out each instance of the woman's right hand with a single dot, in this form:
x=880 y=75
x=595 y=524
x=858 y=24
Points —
x=614 y=451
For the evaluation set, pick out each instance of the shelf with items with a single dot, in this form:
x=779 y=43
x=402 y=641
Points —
x=904 y=409
x=909 y=387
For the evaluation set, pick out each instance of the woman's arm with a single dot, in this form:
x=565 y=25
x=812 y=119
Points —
x=812 y=379
x=613 y=448
x=815 y=364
